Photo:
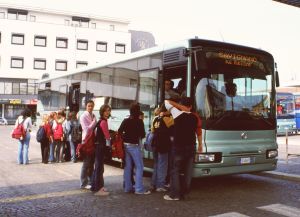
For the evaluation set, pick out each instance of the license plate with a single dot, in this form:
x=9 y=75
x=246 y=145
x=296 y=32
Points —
x=245 y=160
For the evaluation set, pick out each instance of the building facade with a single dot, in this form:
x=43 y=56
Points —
x=35 y=42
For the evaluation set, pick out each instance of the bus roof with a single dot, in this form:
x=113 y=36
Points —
x=147 y=52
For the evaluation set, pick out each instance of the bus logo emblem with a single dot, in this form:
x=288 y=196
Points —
x=244 y=135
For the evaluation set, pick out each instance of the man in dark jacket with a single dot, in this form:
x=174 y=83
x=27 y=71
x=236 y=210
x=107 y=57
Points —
x=183 y=150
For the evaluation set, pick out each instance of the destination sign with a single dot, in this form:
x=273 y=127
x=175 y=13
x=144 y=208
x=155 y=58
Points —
x=235 y=59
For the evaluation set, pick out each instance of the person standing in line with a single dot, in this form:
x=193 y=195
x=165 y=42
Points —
x=59 y=136
x=52 y=118
x=162 y=130
x=48 y=138
x=102 y=140
x=88 y=122
x=23 y=143
x=132 y=130
x=74 y=133
x=183 y=151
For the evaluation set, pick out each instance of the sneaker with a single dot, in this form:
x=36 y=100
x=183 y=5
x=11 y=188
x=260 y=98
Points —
x=161 y=190
x=86 y=187
x=145 y=192
x=101 y=193
x=168 y=197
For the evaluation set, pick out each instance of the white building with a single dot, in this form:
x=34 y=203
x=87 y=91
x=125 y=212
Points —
x=37 y=41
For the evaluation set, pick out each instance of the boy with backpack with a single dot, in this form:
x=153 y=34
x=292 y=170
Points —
x=74 y=130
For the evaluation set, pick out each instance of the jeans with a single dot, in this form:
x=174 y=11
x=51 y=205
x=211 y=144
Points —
x=181 y=175
x=73 y=150
x=59 y=147
x=160 y=169
x=97 y=179
x=87 y=170
x=23 y=146
x=51 y=152
x=133 y=158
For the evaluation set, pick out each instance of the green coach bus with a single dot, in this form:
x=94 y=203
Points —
x=232 y=87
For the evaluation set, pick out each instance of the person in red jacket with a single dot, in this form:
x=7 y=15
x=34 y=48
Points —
x=49 y=139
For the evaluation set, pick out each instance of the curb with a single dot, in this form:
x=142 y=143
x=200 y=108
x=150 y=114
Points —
x=281 y=175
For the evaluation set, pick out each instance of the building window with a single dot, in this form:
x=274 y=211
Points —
x=0 y=37
x=40 y=41
x=80 y=64
x=2 y=15
x=17 y=39
x=61 y=42
x=23 y=88
x=80 y=21
x=32 y=18
x=120 y=48
x=8 y=88
x=39 y=64
x=82 y=44
x=1 y=87
x=61 y=65
x=17 y=62
x=17 y=14
x=101 y=46
x=112 y=27
x=94 y=25
x=15 y=88
x=12 y=16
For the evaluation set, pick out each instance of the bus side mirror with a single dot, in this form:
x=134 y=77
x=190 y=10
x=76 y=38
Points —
x=277 y=79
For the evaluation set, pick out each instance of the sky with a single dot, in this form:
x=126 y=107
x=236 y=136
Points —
x=264 y=24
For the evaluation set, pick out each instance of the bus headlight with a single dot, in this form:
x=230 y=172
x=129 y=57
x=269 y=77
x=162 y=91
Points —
x=272 y=153
x=208 y=157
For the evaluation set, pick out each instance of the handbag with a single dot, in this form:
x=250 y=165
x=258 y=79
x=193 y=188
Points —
x=117 y=147
x=87 y=148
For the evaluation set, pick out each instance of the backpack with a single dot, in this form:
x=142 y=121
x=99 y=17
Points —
x=41 y=134
x=19 y=132
x=149 y=141
x=76 y=132
x=58 y=132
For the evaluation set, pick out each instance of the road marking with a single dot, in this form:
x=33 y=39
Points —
x=230 y=214
x=282 y=210
x=42 y=196
x=292 y=176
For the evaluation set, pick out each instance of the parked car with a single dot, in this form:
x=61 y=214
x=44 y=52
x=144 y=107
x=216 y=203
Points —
x=3 y=121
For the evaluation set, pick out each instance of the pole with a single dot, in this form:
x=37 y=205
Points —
x=286 y=145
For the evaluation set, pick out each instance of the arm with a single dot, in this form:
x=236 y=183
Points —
x=199 y=133
x=179 y=106
x=105 y=130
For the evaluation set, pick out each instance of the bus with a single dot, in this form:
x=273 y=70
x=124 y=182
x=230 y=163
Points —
x=297 y=110
x=286 y=122
x=238 y=127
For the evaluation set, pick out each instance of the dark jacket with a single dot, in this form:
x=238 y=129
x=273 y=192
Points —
x=132 y=130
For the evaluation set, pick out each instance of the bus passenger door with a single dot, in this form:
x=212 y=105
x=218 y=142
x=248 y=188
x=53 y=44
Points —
x=73 y=99
x=148 y=93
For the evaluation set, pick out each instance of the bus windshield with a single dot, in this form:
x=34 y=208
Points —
x=234 y=98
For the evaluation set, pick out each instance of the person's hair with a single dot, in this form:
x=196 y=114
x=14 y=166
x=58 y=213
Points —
x=52 y=114
x=103 y=108
x=135 y=110
x=162 y=108
x=26 y=113
x=186 y=101
x=72 y=116
x=61 y=113
x=45 y=118
x=89 y=101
